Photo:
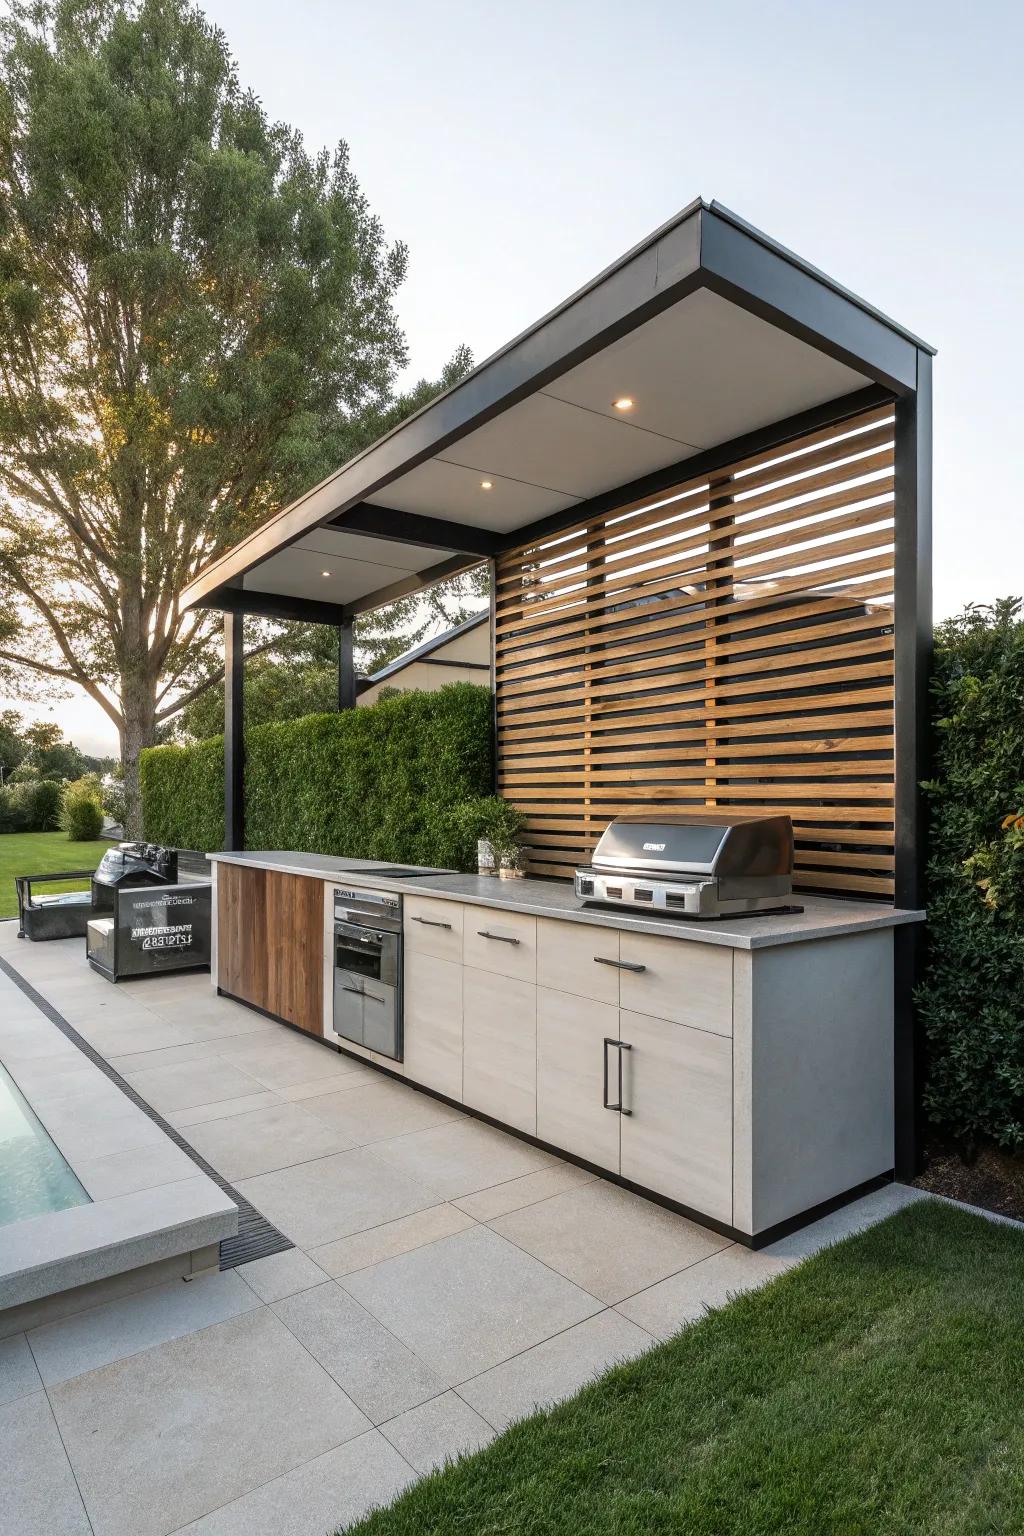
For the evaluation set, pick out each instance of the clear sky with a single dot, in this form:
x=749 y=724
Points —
x=519 y=147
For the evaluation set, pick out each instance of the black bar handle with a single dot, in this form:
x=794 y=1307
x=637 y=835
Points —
x=502 y=938
x=620 y=965
x=358 y=992
x=620 y=1046
x=431 y=922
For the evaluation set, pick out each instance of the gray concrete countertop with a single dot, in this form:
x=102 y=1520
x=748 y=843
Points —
x=823 y=917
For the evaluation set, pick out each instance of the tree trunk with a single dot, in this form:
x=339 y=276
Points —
x=138 y=707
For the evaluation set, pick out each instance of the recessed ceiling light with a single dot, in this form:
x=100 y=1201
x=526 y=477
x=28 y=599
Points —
x=623 y=403
x=486 y=485
x=325 y=573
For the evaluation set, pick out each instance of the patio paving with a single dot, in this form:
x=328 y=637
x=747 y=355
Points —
x=446 y=1279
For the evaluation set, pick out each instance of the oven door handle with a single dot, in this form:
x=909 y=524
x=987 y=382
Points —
x=358 y=992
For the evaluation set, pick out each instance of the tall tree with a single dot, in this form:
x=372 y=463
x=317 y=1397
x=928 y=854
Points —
x=196 y=323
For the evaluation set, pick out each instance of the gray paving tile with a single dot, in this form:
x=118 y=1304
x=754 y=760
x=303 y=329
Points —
x=552 y=1371
x=326 y=1494
x=132 y=1324
x=192 y=1082
x=458 y=1159
x=18 y=1374
x=314 y=1203
x=437 y=1432
x=379 y=1110
x=38 y=1495
x=261 y=1140
x=163 y=1056
x=683 y=1298
x=469 y=1301
x=365 y=1248
x=607 y=1240
x=281 y=1274
x=354 y=1076
x=499 y=1199
x=380 y=1375
x=198 y=1113
x=279 y=1062
x=165 y=1437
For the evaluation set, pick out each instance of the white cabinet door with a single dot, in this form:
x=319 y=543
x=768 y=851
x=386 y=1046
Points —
x=499 y=1045
x=497 y=940
x=434 y=926
x=433 y=1023
x=570 y=1076
x=678 y=979
x=677 y=1140
x=573 y=957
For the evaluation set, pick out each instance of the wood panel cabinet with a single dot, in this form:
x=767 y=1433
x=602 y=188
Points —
x=688 y=983
x=677 y=1138
x=433 y=1023
x=499 y=1047
x=570 y=1076
x=270 y=942
x=573 y=957
x=500 y=941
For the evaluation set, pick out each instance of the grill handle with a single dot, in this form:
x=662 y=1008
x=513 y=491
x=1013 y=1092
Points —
x=431 y=922
x=620 y=965
x=502 y=938
x=620 y=1046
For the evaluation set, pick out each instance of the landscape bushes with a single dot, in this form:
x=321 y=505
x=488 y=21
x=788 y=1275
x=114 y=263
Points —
x=81 y=812
x=400 y=780
x=32 y=805
x=971 y=1003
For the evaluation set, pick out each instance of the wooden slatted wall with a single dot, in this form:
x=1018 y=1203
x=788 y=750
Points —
x=729 y=644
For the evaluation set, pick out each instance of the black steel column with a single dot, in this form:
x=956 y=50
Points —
x=346 y=667
x=913 y=623
x=234 y=745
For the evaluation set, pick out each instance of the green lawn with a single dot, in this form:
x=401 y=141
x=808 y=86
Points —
x=878 y=1390
x=37 y=853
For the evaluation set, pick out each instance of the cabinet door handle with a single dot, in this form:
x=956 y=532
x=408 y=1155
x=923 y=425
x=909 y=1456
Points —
x=502 y=938
x=620 y=965
x=431 y=922
x=620 y=1046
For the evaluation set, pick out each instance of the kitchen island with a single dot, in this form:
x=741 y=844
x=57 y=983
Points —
x=740 y=1069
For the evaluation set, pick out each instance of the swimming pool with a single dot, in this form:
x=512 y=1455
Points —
x=34 y=1178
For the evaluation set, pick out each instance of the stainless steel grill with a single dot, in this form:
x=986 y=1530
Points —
x=696 y=865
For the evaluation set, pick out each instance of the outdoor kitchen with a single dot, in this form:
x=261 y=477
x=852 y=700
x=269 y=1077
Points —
x=703 y=488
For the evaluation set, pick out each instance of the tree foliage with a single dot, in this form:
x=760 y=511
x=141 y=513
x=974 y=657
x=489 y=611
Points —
x=196 y=323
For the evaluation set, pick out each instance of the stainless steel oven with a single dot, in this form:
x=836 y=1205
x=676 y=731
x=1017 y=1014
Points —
x=368 y=969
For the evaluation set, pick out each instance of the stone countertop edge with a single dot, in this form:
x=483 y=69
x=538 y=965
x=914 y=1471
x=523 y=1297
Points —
x=823 y=917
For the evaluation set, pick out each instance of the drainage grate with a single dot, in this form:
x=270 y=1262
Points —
x=256 y=1237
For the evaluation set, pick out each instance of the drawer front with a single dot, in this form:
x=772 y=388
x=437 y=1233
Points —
x=499 y=1047
x=433 y=1023
x=677 y=1139
x=685 y=982
x=566 y=959
x=434 y=927
x=570 y=1076
x=502 y=942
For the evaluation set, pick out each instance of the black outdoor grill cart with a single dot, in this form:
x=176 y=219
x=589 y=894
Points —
x=150 y=929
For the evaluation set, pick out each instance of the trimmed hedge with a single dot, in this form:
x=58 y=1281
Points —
x=396 y=780
x=971 y=1003
x=33 y=805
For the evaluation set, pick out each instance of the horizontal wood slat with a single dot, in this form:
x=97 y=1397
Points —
x=729 y=643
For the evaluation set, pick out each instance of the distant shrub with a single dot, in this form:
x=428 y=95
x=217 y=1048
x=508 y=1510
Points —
x=81 y=812
x=30 y=805
x=395 y=780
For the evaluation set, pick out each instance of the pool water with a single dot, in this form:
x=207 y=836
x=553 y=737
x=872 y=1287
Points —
x=34 y=1178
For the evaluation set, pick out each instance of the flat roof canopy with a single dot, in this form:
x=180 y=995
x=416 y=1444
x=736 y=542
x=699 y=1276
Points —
x=715 y=334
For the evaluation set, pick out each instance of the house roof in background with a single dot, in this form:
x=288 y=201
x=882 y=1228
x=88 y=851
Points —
x=426 y=649
x=711 y=329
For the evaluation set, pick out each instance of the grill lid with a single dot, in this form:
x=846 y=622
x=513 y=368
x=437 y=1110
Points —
x=137 y=862
x=714 y=844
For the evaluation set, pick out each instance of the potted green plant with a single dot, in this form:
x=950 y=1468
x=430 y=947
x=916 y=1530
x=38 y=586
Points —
x=502 y=826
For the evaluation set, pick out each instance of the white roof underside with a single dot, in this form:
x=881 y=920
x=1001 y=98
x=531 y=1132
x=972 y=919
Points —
x=701 y=373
